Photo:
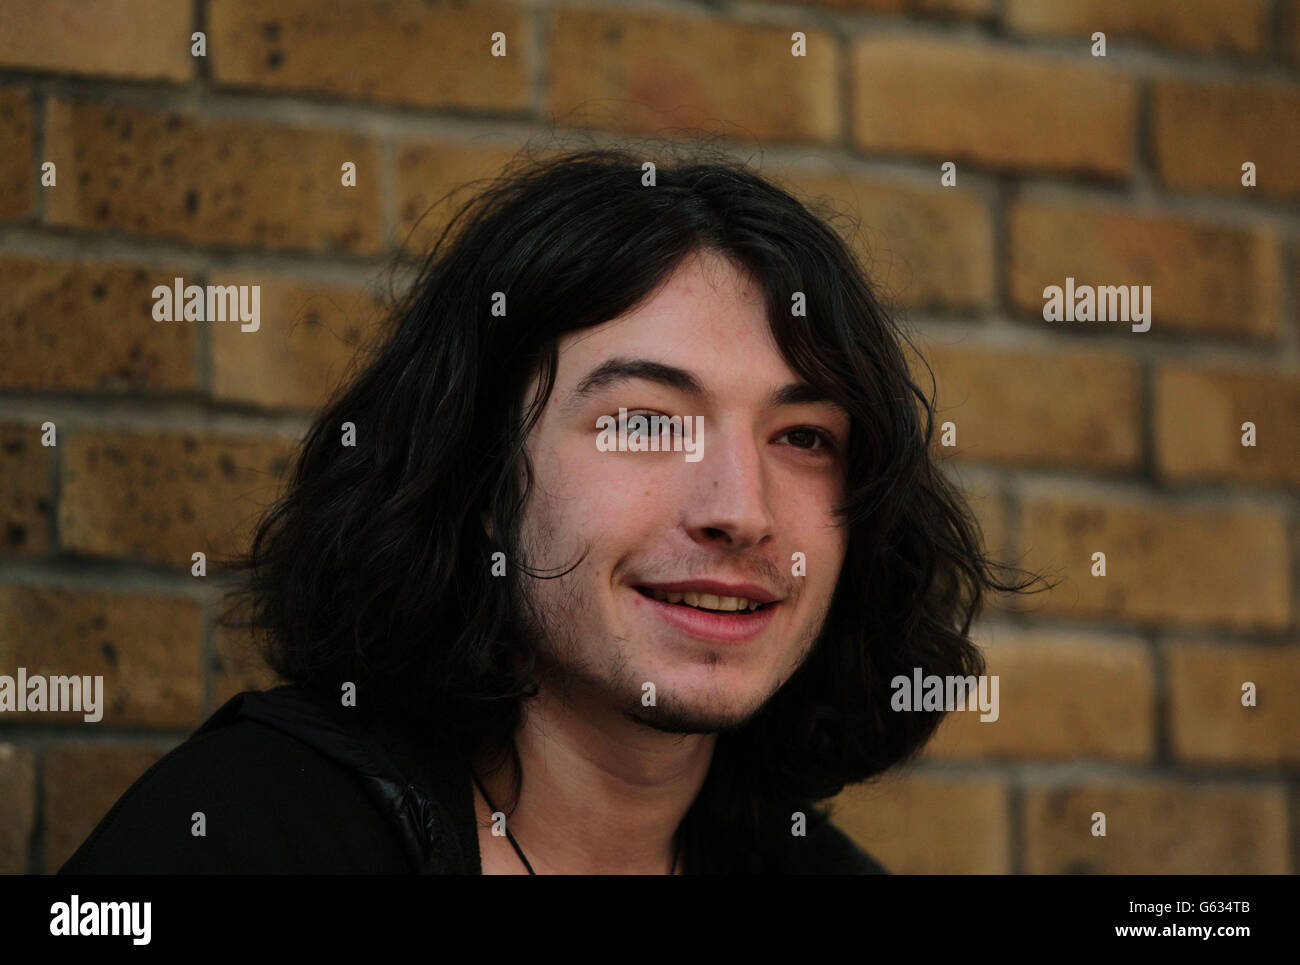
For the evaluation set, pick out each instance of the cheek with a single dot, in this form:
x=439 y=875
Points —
x=834 y=538
x=611 y=500
x=618 y=486
x=817 y=533
x=622 y=512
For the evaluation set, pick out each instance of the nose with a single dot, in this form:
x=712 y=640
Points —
x=730 y=498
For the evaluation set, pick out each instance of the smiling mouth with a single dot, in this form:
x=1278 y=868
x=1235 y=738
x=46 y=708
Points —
x=708 y=602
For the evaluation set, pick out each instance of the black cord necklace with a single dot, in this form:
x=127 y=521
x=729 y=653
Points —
x=677 y=845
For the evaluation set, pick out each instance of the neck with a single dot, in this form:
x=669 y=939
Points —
x=601 y=793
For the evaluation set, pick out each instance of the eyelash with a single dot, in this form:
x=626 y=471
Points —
x=827 y=440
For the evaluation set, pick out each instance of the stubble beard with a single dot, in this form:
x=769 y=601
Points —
x=605 y=673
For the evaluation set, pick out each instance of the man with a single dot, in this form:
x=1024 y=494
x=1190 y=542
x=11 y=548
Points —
x=521 y=635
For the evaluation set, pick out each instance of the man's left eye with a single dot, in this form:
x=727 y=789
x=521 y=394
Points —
x=811 y=436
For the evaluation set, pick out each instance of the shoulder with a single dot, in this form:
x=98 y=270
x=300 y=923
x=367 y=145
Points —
x=843 y=855
x=242 y=798
x=826 y=850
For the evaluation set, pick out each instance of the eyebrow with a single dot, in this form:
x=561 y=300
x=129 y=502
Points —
x=621 y=369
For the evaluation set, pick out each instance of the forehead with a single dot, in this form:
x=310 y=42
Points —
x=708 y=316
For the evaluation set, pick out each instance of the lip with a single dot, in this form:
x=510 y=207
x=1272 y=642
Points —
x=749 y=591
x=734 y=628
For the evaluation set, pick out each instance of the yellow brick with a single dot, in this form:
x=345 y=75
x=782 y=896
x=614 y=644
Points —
x=1205 y=278
x=920 y=247
x=146 y=649
x=995 y=106
x=135 y=39
x=1199 y=412
x=89 y=326
x=162 y=496
x=26 y=504
x=391 y=51
x=1061 y=696
x=17 y=177
x=1207 y=720
x=1204 y=26
x=647 y=71
x=171 y=175
x=1156 y=827
x=1008 y=407
x=1203 y=132
x=307 y=337
x=929 y=825
x=1165 y=563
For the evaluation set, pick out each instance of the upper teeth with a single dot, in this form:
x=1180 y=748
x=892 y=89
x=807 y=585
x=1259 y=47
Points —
x=707 y=601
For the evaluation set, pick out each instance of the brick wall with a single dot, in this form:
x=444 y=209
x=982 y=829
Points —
x=1120 y=694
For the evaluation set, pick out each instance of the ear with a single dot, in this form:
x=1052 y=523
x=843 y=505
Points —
x=486 y=519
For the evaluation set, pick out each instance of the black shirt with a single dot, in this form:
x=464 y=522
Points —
x=282 y=783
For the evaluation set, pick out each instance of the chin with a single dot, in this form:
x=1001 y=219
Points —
x=688 y=722
x=700 y=713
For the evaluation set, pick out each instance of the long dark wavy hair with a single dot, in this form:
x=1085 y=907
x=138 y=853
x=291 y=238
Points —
x=374 y=567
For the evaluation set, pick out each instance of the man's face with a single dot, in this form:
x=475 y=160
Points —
x=762 y=492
